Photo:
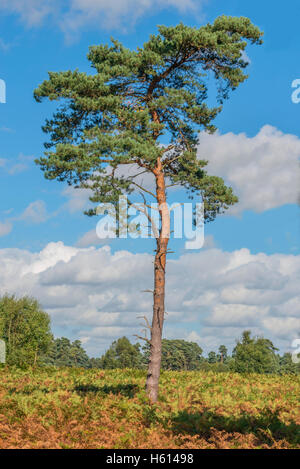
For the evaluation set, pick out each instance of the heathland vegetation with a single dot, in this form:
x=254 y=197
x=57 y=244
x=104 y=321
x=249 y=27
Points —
x=77 y=408
x=52 y=395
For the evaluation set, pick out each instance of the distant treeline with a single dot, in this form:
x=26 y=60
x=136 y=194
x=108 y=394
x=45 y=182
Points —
x=25 y=328
x=250 y=355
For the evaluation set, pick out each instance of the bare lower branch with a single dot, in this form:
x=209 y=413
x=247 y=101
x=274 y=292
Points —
x=142 y=338
x=146 y=321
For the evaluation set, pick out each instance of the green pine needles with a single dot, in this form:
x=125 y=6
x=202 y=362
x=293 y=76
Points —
x=135 y=99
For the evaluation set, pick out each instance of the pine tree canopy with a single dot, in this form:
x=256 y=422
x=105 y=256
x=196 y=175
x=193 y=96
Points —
x=135 y=101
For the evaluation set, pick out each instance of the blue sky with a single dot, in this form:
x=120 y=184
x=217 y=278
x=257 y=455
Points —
x=258 y=135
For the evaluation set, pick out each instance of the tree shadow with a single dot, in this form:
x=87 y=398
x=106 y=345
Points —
x=127 y=390
x=28 y=390
x=266 y=427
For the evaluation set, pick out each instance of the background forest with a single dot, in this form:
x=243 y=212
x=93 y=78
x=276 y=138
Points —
x=26 y=330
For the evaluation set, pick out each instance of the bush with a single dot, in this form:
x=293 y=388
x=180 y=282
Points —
x=25 y=328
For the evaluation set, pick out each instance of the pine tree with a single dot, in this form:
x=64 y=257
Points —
x=64 y=353
x=121 y=354
x=121 y=115
x=178 y=355
x=222 y=356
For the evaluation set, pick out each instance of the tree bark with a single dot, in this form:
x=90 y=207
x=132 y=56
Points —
x=159 y=287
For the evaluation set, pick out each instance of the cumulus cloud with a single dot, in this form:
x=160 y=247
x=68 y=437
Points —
x=212 y=296
x=236 y=314
x=263 y=170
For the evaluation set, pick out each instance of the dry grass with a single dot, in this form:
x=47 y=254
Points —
x=73 y=408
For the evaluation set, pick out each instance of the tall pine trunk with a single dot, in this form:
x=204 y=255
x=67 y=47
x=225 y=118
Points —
x=159 y=287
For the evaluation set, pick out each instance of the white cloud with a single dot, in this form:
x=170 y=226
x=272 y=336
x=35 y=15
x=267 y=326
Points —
x=36 y=212
x=73 y=15
x=90 y=239
x=236 y=315
x=118 y=13
x=31 y=12
x=282 y=327
x=17 y=168
x=209 y=242
x=51 y=255
x=18 y=164
x=263 y=170
x=78 y=199
x=212 y=296
x=5 y=228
